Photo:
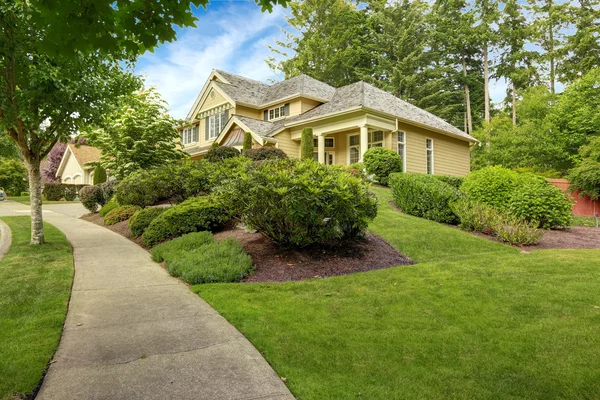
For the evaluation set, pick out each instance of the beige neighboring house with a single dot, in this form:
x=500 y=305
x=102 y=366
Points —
x=74 y=167
x=346 y=121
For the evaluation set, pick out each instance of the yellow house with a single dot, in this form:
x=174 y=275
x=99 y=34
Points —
x=346 y=121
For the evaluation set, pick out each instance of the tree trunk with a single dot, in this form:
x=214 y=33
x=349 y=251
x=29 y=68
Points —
x=467 y=98
x=35 y=190
x=514 y=104
x=486 y=83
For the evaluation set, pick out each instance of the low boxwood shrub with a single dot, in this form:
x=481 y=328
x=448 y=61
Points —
x=491 y=185
x=381 y=162
x=201 y=259
x=108 y=207
x=300 y=202
x=455 y=181
x=265 y=153
x=142 y=218
x=220 y=153
x=193 y=215
x=120 y=213
x=91 y=197
x=424 y=196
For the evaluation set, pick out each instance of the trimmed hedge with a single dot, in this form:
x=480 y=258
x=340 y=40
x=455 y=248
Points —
x=58 y=191
x=454 y=181
x=198 y=258
x=382 y=162
x=193 y=215
x=142 y=218
x=424 y=196
x=265 y=153
x=91 y=197
x=118 y=214
x=108 y=207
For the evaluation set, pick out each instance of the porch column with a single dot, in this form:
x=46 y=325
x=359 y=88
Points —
x=364 y=141
x=321 y=148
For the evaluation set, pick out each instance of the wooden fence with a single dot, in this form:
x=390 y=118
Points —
x=584 y=206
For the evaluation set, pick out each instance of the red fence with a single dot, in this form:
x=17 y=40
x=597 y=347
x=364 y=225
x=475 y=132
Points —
x=584 y=206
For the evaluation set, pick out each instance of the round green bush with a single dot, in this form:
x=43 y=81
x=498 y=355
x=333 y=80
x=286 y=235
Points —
x=108 y=189
x=121 y=213
x=537 y=201
x=300 y=202
x=265 y=153
x=382 y=162
x=91 y=197
x=424 y=196
x=193 y=215
x=70 y=192
x=142 y=218
x=491 y=185
x=220 y=153
x=108 y=207
x=455 y=181
x=139 y=189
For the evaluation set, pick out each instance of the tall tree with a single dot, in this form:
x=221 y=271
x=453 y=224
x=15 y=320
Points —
x=549 y=21
x=487 y=16
x=583 y=44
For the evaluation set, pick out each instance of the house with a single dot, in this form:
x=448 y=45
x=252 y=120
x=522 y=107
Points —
x=74 y=166
x=346 y=121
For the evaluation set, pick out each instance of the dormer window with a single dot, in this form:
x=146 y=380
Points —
x=189 y=135
x=275 y=113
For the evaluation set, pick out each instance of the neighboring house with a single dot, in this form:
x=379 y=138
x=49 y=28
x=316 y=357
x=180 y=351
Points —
x=74 y=166
x=346 y=122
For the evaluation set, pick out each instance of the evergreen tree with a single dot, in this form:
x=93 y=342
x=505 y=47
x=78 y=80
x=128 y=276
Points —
x=99 y=175
x=306 y=144
x=247 y=145
x=487 y=16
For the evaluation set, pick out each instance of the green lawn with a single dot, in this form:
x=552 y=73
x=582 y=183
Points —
x=25 y=200
x=35 y=285
x=473 y=319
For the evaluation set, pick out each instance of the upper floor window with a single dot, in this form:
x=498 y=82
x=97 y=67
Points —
x=189 y=135
x=375 y=139
x=329 y=143
x=429 y=146
x=276 y=113
x=215 y=124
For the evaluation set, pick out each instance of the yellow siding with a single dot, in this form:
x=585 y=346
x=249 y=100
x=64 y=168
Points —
x=247 y=112
x=295 y=107
x=289 y=146
x=210 y=103
x=207 y=105
x=308 y=104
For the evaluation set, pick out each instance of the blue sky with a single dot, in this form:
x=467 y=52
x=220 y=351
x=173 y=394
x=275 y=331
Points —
x=231 y=35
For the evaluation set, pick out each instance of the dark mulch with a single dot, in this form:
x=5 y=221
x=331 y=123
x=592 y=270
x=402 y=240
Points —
x=274 y=263
x=122 y=228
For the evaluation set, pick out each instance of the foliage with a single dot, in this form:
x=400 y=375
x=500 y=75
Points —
x=138 y=134
x=300 y=202
x=120 y=213
x=454 y=181
x=382 y=162
x=54 y=158
x=8 y=148
x=517 y=230
x=24 y=193
x=142 y=218
x=108 y=207
x=220 y=153
x=58 y=191
x=306 y=144
x=586 y=178
x=108 y=189
x=99 y=175
x=474 y=216
x=199 y=258
x=358 y=170
x=91 y=197
x=424 y=196
x=140 y=189
x=265 y=153
x=70 y=192
x=13 y=176
x=247 y=145
x=193 y=215
x=491 y=185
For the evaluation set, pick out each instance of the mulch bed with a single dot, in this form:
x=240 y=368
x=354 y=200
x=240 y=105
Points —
x=274 y=263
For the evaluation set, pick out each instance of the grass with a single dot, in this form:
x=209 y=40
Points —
x=472 y=319
x=25 y=200
x=35 y=285
x=584 y=221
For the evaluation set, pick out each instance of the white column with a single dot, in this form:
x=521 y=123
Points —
x=321 y=148
x=364 y=141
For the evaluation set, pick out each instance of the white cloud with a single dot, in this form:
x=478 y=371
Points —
x=232 y=38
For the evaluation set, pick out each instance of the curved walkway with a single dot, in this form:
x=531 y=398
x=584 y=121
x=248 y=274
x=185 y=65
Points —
x=134 y=332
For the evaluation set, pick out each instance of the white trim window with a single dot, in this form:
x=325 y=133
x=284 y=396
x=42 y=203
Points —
x=216 y=122
x=353 y=149
x=401 y=148
x=329 y=157
x=329 y=143
x=429 y=147
x=187 y=136
x=276 y=113
x=375 y=139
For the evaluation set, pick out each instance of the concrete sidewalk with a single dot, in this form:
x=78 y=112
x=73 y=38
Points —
x=134 y=332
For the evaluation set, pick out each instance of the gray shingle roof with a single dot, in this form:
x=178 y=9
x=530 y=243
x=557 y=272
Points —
x=260 y=127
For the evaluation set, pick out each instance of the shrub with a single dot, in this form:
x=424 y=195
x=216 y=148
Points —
x=475 y=216
x=108 y=189
x=91 y=197
x=231 y=168
x=220 y=153
x=120 y=213
x=536 y=199
x=99 y=175
x=53 y=191
x=300 y=202
x=306 y=144
x=265 y=153
x=140 y=189
x=70 y=192
x=207 y=262
x=454 y=181
x=25 y=193
x=193 y=215
x=247 y=144
x=358 y=170
x=381 y=162
x=517 y=231
x=108 y=207
x=491 y=185
x=187 y=242
x=142 y=218
x=586 y=178
x=424 y=196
